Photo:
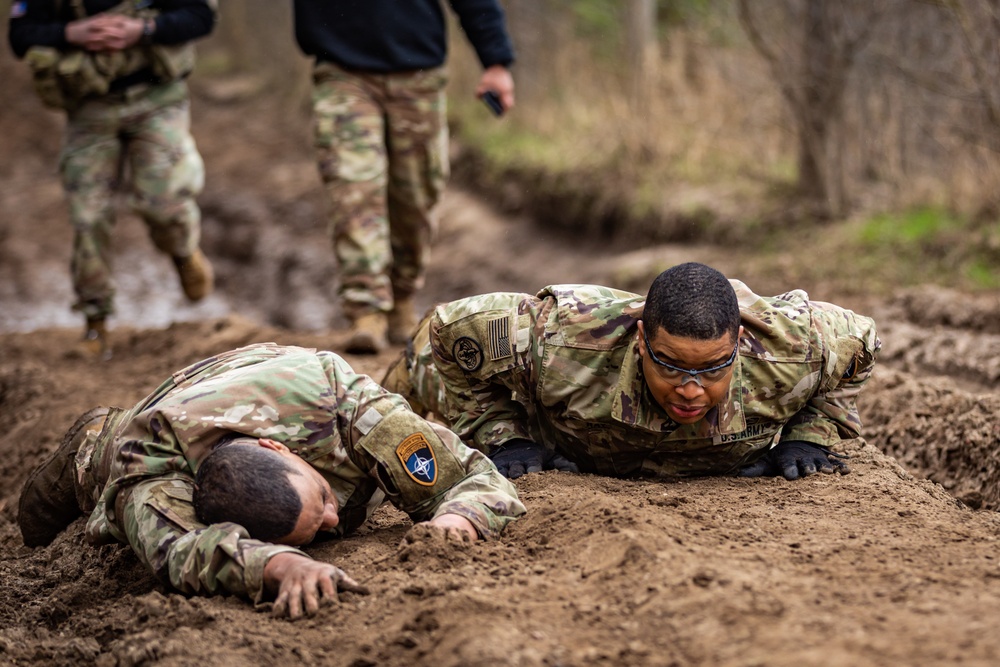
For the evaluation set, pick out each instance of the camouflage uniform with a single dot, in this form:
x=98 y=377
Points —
x=562 y=368
x=140 y=123
x=147 y=128
x=381 y=143
x=380 y=131
x=135 y=477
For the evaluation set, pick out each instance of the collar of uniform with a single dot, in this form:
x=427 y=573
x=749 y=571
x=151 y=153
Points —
x=634 y=405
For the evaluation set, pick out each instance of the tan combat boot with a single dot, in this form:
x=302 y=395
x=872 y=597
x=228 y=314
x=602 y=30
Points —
x=197 y=277
x=48 y=500
x=402 y=321
x=368 y=334
x=94 y=344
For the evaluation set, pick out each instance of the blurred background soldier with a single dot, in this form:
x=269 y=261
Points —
x=118 y=69
x=381 y=139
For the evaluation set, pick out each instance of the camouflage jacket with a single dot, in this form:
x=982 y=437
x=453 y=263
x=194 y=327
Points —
x=364 y=440
x=562 y=368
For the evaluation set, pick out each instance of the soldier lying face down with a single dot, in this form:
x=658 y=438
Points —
x=285 y=444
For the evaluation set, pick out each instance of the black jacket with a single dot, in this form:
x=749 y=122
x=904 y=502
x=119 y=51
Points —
x=397 y=35
x=43 y=22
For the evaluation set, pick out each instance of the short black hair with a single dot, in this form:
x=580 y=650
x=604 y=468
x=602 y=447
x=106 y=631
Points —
x=692 y=300
x=248 y=485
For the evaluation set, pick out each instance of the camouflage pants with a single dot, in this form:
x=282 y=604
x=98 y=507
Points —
x=145 y=132
x=381 y=143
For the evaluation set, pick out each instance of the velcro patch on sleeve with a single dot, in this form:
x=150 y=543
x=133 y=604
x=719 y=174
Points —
x=419 y=464
x=368 y=421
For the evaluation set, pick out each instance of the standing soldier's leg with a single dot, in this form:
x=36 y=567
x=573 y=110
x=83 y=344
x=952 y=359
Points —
x=349 y=135
x=350 y=143
x=417 y=141
x=90 y=166
x=167 y=175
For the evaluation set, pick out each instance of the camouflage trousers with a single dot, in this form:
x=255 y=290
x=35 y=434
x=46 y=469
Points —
x=381 y=143
x=143 y=137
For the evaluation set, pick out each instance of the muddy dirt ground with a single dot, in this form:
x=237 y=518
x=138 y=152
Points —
x=894 y=564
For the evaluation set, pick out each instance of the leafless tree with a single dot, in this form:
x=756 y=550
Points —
x=641 y=49
x=810 y=47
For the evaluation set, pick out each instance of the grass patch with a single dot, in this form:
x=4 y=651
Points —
x=920 y=226
x=887 y=252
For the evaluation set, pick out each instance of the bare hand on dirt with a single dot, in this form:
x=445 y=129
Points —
x=498 y=79
x=453 y=526
x=105 y=32
x=794 y=459
x=302 y=584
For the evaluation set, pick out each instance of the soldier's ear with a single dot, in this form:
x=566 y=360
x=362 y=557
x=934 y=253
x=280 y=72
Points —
x=273 y=445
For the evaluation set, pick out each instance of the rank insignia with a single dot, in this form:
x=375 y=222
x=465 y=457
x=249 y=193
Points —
x=417 y=458
x=468 y=353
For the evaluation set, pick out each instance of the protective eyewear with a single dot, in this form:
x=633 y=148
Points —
x=680 y=376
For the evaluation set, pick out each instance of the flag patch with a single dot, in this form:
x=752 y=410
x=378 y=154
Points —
x=499 y=330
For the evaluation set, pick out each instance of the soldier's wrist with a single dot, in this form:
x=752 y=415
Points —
x=148 y=30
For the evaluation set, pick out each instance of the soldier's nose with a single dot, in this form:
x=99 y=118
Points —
x=690 y=389
x=330 y=517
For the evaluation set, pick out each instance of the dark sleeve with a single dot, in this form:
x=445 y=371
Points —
x=183 y=21
x=35 y=23
x=484 y=25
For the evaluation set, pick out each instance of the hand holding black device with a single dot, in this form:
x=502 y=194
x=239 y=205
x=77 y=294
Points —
x=492 y=100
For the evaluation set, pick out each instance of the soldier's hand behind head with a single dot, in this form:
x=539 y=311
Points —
x=794 y=459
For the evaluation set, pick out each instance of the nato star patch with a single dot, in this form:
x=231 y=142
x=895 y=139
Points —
x=418 y=460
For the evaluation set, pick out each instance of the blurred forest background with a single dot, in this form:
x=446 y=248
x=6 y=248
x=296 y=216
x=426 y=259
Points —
x=725 y=120
x=876 y=124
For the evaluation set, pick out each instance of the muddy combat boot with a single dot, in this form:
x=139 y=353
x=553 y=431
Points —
x=368 y=334
x=402 y=321
x=48 y=500
x=94 y=344
x=197 y=277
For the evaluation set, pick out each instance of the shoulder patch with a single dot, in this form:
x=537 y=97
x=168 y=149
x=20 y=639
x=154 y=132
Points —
x=18 y=9
x=499 y=338
x=417 y=457
x=468 y=353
